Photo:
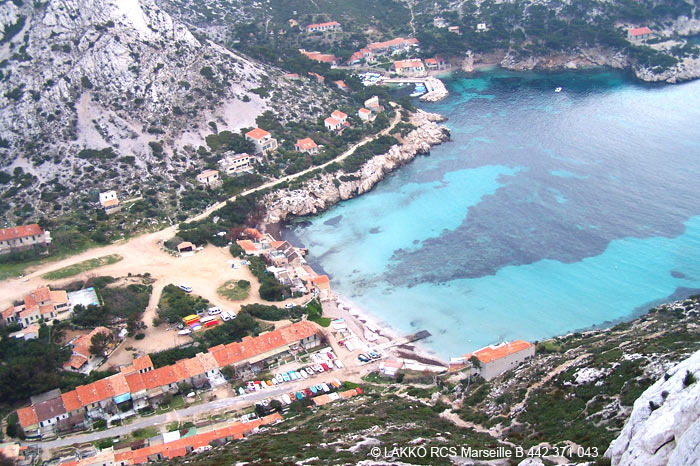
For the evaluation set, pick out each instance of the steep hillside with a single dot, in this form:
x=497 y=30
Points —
x=114 y=93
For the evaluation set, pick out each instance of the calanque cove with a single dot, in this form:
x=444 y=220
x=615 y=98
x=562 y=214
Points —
x=363 y=232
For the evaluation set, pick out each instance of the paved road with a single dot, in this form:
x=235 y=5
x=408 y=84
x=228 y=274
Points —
x=238 y=402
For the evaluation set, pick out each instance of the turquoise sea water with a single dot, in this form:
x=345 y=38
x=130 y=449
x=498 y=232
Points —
x=546 y=213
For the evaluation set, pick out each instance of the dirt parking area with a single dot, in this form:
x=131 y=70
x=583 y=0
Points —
x=204 y=271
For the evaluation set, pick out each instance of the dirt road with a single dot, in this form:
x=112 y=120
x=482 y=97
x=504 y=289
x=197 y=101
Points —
x=142 y=253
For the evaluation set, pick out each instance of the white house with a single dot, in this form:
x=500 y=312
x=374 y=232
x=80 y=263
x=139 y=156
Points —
x=332 y=124
x=494 y=360
x=365 y=114
x=232 y=164
x=263 y=140
x=209 y=178
x=307 y=146
x=411 y=67
x=110 y=202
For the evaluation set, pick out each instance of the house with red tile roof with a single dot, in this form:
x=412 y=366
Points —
x=106 y=395
x=340 y=116
x=393 y=46
x=23 y=237
x=81 y=359
x=410 y=67
x=29 y=421
x=365 y=114
x=639 y=34
x=249 y=247
x=109 y=202
x=322 y=285
x=307 y=146
x=320 y=57
x=317 y=76
x=177 y=448
x=267 y=346
x=493 y=360
x=209 y=178
x=323 y=27
x=332 y=124
x=263 y=141
x=42 y=303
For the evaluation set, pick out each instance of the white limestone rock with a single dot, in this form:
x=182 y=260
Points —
x=319 y=194
x=669 y=434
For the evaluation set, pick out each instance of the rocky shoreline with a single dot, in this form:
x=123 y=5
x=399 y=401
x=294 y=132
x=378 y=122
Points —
x=319 y=194
x=686 y=69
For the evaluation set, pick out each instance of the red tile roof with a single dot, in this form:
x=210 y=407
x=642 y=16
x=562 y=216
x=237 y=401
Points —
x=318 y=25
x=27 y=416
x=320 y=279
x=143 y=362
x=110 y=202
x=492 y=353
x=257 y=134
x=305 y=144
x=118 y=383
x=412 y=63
x=208 y=362
x=247 y=245
x=190 y=367
x=179 y=447
x=364 y=111
x=255 y=346
x=639 y=31
x=135 y=382
x=20 y=232
x=75 y=362
x=318 y=56
x=87 y=394
x=338 y=115
x=71 y=401
x=331 y=121
x=252 y=232
x=399 y=41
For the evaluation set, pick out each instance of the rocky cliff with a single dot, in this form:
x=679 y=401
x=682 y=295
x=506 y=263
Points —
x=320 y=193
x=119 y=74
x=664 y=427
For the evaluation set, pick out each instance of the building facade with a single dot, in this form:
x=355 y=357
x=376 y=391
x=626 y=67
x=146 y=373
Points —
x=263 y=140
x=23 y=237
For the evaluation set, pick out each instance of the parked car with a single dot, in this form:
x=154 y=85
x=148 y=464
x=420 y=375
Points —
x=185 y=288
x=339 y=364
x=363 y=358
x=285 y=376
x=289 y=305
x=214 y=311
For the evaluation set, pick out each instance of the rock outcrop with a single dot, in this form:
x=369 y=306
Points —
x=664 y=427
x=123 y=75
x=318 y=194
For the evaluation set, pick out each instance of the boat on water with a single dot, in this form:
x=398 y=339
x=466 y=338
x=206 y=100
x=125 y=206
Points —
x=558 y=89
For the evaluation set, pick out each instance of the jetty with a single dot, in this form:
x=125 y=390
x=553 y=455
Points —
x=436 y=88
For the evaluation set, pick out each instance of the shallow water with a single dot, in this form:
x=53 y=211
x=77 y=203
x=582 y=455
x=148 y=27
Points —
x=546 y=213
